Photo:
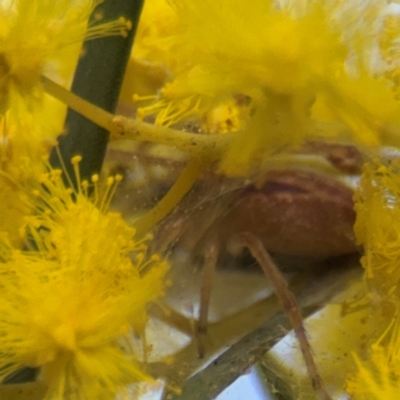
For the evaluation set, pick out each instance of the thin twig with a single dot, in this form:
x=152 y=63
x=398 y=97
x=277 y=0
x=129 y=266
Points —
x=90 y=111
x=209 y=146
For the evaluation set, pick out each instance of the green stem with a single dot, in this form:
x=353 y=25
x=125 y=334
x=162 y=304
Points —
x=98 y=79
x=179 y=189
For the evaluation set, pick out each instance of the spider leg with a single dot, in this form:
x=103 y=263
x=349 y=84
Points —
x=289 y=304
x=207 y=281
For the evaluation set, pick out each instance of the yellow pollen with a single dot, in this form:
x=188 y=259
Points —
x=76 y=160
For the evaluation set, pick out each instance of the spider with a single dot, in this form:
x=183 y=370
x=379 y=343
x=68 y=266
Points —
x=295 y=212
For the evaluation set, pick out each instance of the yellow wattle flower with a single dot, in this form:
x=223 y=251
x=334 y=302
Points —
x=274 y=52
x=157 y=22
x=282 y=56
x=36 y=37
x=40 y=37
x=377 y=229
x=70 y=301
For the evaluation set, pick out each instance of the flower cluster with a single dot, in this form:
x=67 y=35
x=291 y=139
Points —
x=377 y=231
x=272 y=68
x=30 y=120
x=259 y=80
x=75 y=278
x=70 y=300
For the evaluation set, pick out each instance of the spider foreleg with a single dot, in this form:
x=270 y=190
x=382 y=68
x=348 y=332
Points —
x=289 y=304
x=207 y=282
